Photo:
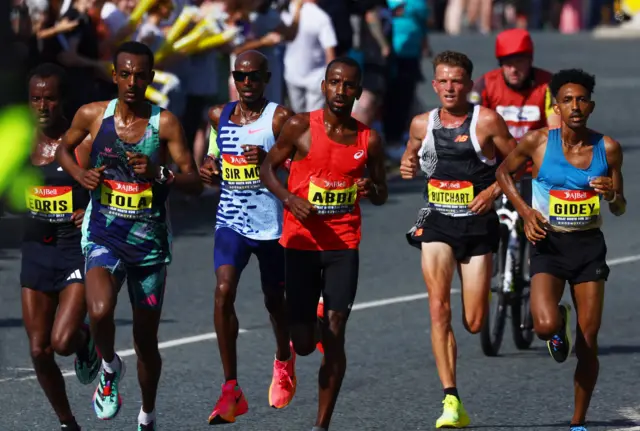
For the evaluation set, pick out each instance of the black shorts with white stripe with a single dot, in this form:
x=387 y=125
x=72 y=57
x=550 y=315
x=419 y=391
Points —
x=50 y=268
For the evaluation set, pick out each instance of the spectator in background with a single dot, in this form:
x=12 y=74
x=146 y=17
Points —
x=307 y=56
x=340 y=13
x=115 y=14
x=409 y=38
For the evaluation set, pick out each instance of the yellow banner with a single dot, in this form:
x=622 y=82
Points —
x=333 y=197
x=50 y=203
x=126 y=200
x=450 y=197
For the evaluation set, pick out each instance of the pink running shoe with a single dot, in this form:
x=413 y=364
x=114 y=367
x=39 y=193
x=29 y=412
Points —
x=284 y=382
x=231 y=404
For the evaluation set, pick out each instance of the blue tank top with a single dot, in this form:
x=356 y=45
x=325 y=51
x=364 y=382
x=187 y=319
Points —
x=128 y=213
x=246 y=206
x=561 y=192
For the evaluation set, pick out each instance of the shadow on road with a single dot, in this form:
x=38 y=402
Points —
x=17 y=323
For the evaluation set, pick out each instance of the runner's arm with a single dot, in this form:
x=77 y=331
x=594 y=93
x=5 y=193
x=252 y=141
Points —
x=285 y=145
x=614 y=159
x=171 y=130
x=377 y=171
x=77 y=133
x=513 y=163
x=417 y=133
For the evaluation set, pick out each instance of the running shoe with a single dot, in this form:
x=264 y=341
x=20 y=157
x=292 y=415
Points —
x=284 y=382
x=88 y=360
x=147 y=427
x=453 y=414
x=106 y=399
x=230 y=405
x=320 y=314
x=560 y=345
x=578 y=428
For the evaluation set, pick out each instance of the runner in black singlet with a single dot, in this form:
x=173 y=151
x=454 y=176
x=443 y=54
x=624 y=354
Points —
x=52 y=276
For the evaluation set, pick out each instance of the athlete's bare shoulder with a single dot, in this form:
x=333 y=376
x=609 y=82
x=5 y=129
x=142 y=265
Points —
x=488 y=117
x=214 y=114
x=419 y=125
x=534 y=140
x=611 y=146
x=283 y=112
x=298 y=124
x=89 y=115
x=169 y=124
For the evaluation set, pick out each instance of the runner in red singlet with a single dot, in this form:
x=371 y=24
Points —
x=321 y=232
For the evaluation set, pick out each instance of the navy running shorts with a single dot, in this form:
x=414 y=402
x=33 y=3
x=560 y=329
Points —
x=232 y=248
x=50 y=268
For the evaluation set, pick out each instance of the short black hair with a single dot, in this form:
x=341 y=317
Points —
x=454 y=59
x=347 y=61
x=572 y=76
x=135 y=48
x=48 y=70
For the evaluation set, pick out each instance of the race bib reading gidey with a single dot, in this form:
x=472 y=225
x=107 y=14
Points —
x=126 y=200
x=332 y=197
x=573 y=208
x=50 y=203
x=450 y=197
x=238 y=174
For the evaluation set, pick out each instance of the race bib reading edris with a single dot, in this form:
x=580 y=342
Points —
x=49 y=203
x=238 y=174
x=126 y=200
x=573 y=208
x=450 y=197
x=332 y=197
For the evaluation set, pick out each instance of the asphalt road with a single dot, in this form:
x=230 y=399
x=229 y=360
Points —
x=391 y=381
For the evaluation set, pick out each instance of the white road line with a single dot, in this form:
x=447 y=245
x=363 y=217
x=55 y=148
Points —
x=621 y=260
x=633 y=416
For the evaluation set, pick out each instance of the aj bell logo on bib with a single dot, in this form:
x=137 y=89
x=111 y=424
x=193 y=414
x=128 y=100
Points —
x=573 y=208
x=450 y=197
x=50 y=203
x=126 y=200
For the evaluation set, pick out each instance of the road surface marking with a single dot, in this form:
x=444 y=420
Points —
x=633 y=416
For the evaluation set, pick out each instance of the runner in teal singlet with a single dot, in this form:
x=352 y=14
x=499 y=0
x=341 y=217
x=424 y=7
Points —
x=126 y=230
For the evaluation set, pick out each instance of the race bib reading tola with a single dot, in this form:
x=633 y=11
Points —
x=49 y=203
x=573 y=208
x=332 y=197
x=238 y=174
x=126 y=200
x=450 y=197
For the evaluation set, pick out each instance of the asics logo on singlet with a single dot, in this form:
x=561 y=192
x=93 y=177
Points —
x=575 y=195
x=358 y=155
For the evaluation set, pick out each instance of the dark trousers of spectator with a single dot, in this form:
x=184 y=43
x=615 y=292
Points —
x=405 y=76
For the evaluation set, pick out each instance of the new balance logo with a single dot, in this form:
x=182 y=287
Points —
x=461 y=138
x=75 y=275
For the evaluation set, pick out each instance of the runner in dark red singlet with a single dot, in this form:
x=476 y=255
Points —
x=322 y=222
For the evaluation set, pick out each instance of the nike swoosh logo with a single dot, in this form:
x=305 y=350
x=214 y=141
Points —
x=251 y=132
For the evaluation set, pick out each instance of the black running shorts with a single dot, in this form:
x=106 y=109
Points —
x=577 y=257
x=50 y=268
x=332 y=273
x=467 y=236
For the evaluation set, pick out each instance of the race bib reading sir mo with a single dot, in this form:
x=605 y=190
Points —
x=237 y=174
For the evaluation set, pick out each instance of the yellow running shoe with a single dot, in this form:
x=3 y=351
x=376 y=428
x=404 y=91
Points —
x=453 y=414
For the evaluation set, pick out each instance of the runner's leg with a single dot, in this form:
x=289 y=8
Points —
x=475 y=277
x=341 y=268
x=588 y=299
x=546 y=292
x=68 y=335
x=38 y=314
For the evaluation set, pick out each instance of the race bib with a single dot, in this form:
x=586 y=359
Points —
x=450 y=197
x=573 y=208
x=238 y=174
x=332 y=197
x=126 y=200
x=49 y=203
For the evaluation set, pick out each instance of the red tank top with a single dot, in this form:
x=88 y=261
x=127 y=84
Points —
x=326 y=177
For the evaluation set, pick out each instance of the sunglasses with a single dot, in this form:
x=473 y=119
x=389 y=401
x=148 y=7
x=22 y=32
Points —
x=254 y=76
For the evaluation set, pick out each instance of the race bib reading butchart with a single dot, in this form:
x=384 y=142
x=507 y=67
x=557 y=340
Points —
x=450 y=197
x=332 y=197
x=573 y=208
x=49 y=203
x=126 y=200
x=238 y=174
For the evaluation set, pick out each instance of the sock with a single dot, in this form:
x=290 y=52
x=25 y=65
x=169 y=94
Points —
x=112 y=367
x=452 y=391
x=146 y=418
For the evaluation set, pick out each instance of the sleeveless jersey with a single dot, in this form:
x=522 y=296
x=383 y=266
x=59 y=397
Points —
x=50 y=205
x=561 y=192
x=127 y=213
x=326 y=177
x=246 y=206
x=455 y=167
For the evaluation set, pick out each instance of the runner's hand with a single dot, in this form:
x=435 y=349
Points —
x=482 y=203
x=299 y=207
x=409 y=166
x=603 y=186
x=534 y=224
x=77 y=217
x=142 y=165
x=90 y=179
x=209 y=172
x=364 y=187
x=254 y=154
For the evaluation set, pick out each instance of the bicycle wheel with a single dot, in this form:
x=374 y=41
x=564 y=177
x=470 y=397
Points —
x=521 y=319
x=493 y=327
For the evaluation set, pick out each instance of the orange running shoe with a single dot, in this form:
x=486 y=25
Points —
x=320 y=314
x=231 y=404
x=284 y=382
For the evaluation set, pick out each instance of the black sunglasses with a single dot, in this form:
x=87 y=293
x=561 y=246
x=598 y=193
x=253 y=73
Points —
x=254 y=75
